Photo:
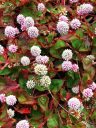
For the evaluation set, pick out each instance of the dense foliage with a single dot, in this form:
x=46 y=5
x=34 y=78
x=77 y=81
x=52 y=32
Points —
x=47 y=64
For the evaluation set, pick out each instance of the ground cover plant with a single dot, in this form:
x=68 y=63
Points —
x=48 y=64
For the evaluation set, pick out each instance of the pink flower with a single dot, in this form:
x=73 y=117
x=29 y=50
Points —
x=75 y=67
x=63 y=18
x=92 y=86
x=66 y=65
x=2 y=98
x=73 y=1
x=11 y=100
x=74 y=103
x=42 y=59
x=20 y=19
x=87 y=93
x=84 y=9
x=22 y=124
x=12 y=48
x=62 y=27
x=16 y=30
x=41 y=7
x=10 y=32
x=75 y=24
x=33 y=32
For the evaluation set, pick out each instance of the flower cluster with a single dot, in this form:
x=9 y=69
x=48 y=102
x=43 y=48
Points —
x=35 y=51
x=27 y=23
x=73 y=1
x=75 y=89
x=67 y=65
x=84 y=9
x=74 y=103
x=75 y=24
x=87 y=93
x=10 y=31
x=62 y=27
x=92 y=86
x=12 y=48
x=41 y=7
x=22 y=124
x=2 y=98
x=10 y=113
x=11 y=100
x=42 y=59
x=25 y=61
x=30 y=84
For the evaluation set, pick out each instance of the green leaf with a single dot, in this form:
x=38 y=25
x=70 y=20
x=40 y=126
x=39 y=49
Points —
x=55 y=53
x=76 y=43
x=56 y=85
x=43 y=102
x=53 y=122
x=5 y=71
x=50 y=37
x=59 y=44
x=40 y=88
x=22 y=81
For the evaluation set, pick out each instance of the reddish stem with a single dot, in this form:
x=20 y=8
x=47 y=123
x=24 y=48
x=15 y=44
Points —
x=63 y=2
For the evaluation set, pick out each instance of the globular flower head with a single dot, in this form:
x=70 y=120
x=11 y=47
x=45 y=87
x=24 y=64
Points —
x=67 y=54
x=73 y=1
x=84 y=9
x=92 y=86
x=1 y=49
x=75 y=67
x=66 y=65
x=63 y=18
x=40 y=69
x=12 y=48
x=45 y=81
x=29 y=22
x=75 y=24
x=33 y=32
x=41 y=7
x=11 y=100
x=35 y=51
x=42 y=59
x=10 y=113
x=22 y=124
x=20 y=19
x=25 y=61
x=87 y=93
x=2 y=98
x=75 y=89
x=62 y=27
x=91 y=57
x=30 y=84
x=10 y=32
x=74 y=103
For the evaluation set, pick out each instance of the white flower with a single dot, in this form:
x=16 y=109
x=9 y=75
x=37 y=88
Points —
x=40 y=69
x=35 y=51
x=10 y=113
x=62 y=27
x=75 y=89
x=30 y=84
x=1 y=49
x=45 y=81
x=11 y=100
x=33 y=32
x=29 y=22
x=67 y=54
x=25 y=61
x=22 y=124
x=91 y=57
x=74 y=103
x=41 y=7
